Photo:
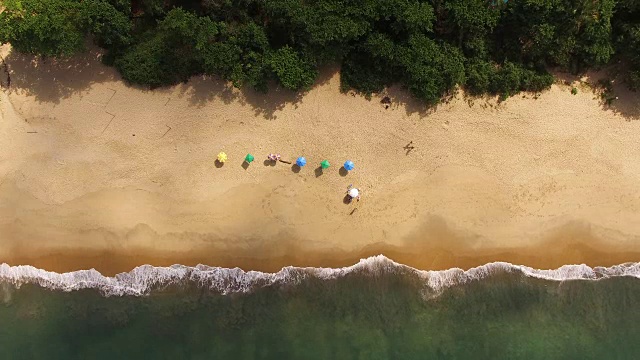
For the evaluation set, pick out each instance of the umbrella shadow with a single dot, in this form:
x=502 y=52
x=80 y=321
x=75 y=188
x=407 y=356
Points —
x=218 y=164
x=295 y=168
x=318 y=171
x=343 y=172
x=347 y=199
x=268 y=162
x=245 y=165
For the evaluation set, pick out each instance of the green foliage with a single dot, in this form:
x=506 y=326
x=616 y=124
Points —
x=111 y=28
x=52 y=28
x=468 y=22
x=153 y=8
x=146 y=63
x=568 y=33
x=480 y=75
x=506 y=80
x=627 y=38
x=429 y=47
x=512 y=78
x=167 y=54
x=292 y=71
x=364 y=73
x=239 y=55
x=430 y=69
x=59 y=27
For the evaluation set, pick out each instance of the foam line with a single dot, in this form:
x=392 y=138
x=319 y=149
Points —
x=144 y=279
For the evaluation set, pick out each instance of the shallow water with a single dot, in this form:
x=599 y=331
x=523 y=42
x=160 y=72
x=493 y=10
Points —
x=381 y=313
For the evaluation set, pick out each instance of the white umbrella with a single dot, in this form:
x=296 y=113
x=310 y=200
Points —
x=353 y=192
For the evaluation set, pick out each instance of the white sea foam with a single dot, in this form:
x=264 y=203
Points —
x=144 y=279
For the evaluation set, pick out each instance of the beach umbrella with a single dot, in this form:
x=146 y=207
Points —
x=222 y=157
x=353 y=192
x=348 y=165
x=324 y=164
x=248 y=158
x=301 y=161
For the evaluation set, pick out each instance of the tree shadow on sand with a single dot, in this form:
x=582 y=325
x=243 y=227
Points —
x=402 y=98
x=51 y=80
x=608 y=87
x=204 y=89
x=622 y=101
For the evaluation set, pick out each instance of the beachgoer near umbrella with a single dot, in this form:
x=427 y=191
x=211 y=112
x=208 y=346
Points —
x=353 y=193
x=273 y=157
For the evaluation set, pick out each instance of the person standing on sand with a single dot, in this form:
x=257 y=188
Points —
x=353 y=193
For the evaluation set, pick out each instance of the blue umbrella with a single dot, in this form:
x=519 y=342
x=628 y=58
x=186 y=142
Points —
x=301 y=161
x=348 y=165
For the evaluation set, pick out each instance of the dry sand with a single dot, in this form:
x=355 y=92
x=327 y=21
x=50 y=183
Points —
x=95 y=173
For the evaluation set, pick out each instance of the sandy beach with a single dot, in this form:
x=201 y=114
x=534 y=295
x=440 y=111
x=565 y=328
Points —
x=98 y=174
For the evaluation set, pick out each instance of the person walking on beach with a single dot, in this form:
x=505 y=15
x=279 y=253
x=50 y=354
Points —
x=353 y=193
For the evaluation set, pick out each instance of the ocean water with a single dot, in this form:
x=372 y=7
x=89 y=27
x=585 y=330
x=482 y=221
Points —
x=376 y=309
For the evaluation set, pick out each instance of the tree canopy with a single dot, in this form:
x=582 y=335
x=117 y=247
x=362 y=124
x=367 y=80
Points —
x=430 y=47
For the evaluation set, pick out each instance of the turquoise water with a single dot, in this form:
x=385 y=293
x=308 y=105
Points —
x=361 y=315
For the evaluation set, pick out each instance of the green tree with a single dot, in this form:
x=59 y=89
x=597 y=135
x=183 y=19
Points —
x=111 y=28
x=52 y=28
x=292 y=71
x=169 y=53
x=323 y=29
x=60 y=27
x=431 y=69
x=239 y=55
x=569 y=33
x=467 y=24
x=626 y=28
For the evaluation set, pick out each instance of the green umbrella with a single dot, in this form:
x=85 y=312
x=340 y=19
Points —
x=324 y=164
x=248 y=158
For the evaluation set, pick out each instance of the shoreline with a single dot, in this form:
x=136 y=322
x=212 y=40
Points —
x=572 y=245
x=110 y=264
x=97 y=174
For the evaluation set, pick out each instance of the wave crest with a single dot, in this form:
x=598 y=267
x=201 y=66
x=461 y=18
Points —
x=144 y=279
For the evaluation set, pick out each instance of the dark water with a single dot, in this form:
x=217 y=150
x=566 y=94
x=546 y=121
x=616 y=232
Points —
x=358 y=316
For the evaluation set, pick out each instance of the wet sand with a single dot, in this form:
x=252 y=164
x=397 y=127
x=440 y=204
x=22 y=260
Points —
x=98 y=174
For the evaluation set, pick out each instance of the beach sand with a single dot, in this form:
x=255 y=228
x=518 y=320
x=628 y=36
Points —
x=98 y=174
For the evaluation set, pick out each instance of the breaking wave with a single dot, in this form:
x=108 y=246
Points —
x=144 y=279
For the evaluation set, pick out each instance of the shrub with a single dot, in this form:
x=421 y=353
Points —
x=291 y=70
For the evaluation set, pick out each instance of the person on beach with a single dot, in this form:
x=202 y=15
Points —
x=353 y=193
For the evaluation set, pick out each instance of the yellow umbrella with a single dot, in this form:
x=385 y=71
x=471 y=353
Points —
x=222 y=157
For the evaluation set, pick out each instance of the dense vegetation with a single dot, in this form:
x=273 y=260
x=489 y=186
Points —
x=430 y=47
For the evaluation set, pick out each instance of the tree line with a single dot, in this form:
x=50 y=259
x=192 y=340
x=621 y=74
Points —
x=429 y=47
